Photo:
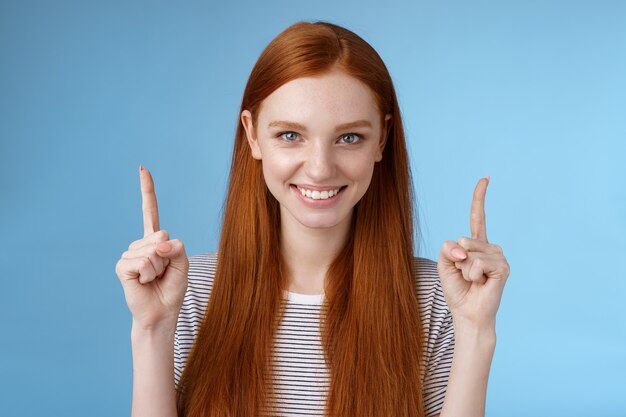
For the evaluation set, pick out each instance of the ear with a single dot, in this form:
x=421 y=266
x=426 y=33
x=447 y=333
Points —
x=383 y=138
x=246 y=121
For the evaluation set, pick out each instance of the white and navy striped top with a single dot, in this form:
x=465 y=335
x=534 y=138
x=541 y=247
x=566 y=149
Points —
x=302 y=378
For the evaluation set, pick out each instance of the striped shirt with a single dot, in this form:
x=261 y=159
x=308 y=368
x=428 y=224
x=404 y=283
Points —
x=301 y=375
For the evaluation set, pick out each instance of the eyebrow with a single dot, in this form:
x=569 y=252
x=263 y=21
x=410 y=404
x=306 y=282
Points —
x=297 y=126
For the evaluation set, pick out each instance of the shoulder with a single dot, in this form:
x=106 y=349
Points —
x=428 y=285
x=425 y=270
x=202 y=266
x=199 y=285
x=201 y=271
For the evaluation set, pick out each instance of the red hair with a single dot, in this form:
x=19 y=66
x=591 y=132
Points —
x=371 y=331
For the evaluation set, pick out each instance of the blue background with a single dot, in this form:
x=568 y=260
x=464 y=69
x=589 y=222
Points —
x=532 y=93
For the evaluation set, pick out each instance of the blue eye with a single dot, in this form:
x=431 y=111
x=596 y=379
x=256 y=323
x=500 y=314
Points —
x=286 y=138
x=290 y=136
x=356 y=138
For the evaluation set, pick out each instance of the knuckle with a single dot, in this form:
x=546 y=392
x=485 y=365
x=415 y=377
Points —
x=143 y=263
x=162 y=235
x=496 y=248
x=151 y=251
x=121 y=268
x=448 y=244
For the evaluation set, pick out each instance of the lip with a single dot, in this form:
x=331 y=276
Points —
x=319 y=204
x=318 y=188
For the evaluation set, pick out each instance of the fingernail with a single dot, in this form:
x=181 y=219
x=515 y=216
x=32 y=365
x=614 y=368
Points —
x=459 y=253
x=164 y=247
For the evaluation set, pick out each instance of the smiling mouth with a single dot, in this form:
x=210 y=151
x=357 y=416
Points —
x=319 y=195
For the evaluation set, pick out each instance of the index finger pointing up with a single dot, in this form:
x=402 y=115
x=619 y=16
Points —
x=477 y=213
x=148 y=202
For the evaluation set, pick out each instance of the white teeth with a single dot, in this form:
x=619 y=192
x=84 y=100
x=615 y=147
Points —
x=318 y=195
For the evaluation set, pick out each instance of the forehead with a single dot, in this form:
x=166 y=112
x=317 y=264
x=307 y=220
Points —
x=334 y=96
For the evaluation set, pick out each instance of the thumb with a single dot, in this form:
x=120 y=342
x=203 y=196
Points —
x=451 y=252
x=174 y=250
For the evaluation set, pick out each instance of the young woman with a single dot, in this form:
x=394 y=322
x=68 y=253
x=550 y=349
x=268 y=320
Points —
x=314 y=303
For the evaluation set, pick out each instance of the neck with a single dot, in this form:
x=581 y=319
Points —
x=308 y=252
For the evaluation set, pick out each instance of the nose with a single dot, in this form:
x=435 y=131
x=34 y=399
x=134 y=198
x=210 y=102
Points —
x=319 y=162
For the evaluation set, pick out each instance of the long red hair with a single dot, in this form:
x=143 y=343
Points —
x=371 y=334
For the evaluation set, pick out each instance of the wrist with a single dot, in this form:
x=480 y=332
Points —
x=162 y=328
x=483 y=333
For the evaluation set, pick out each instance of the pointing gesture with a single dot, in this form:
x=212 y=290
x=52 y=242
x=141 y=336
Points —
x=478 y=227
x=148 y=203
x=153 y=271
x=473 y=271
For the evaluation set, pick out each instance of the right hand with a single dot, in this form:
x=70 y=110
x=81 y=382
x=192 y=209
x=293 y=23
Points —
x=153 y=271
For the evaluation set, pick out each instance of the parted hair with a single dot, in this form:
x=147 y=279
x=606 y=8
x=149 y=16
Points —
x=370 y=323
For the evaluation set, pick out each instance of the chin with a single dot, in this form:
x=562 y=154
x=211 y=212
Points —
x=322 y=226
x=319 y=222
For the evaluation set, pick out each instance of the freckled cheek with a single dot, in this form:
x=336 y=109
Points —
x=278 y=169
x=359 y=170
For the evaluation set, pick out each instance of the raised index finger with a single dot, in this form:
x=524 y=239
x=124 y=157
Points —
x=148 y=203
x=478 y=226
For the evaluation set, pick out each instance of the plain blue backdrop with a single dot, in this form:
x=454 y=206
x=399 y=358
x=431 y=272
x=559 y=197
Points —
x=532 y=93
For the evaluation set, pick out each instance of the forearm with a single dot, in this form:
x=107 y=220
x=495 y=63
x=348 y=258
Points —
x=153 y=372
x=467 y=384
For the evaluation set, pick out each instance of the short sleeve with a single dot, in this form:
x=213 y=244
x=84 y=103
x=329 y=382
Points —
x=178 y=366
x=200 y=282
x=438 y=333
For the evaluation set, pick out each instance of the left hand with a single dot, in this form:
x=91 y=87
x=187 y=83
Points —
x=473 y=271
